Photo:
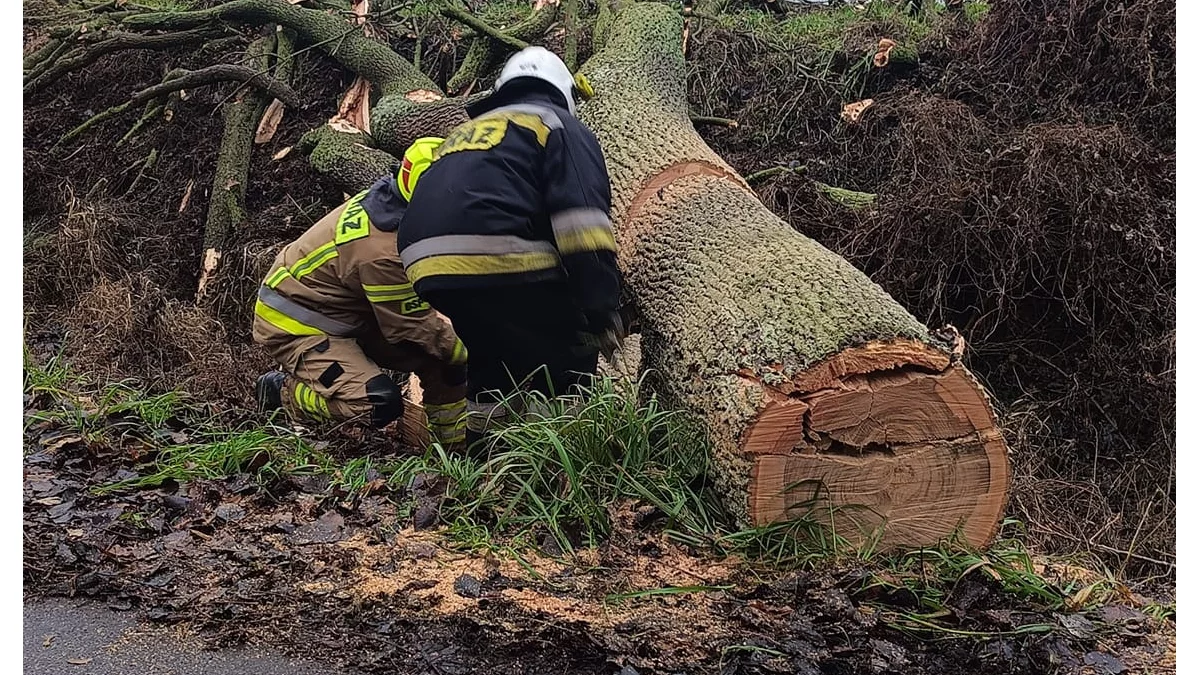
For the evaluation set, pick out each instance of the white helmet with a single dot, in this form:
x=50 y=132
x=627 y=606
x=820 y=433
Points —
x=543 y=64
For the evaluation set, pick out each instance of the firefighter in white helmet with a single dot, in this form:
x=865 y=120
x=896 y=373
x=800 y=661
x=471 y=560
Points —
x=336 y=308
x=509 y=236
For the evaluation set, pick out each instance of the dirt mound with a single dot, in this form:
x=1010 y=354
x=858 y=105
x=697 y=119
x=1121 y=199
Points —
x=1034 y=213
x=1096 y=60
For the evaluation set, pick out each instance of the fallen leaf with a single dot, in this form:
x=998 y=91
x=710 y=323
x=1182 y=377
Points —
x=852 y=111
x=79 y=662
x=74 y=533
x=269 y=123
x=187 y=195
x=883 y=52
x=58 y=443
x=281 y=154
x=46 y=640
x=168 y=114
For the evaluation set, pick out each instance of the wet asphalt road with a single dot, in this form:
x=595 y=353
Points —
x=68 y=638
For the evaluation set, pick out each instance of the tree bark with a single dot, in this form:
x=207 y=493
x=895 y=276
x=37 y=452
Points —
x=227 y=203
x=805 y=372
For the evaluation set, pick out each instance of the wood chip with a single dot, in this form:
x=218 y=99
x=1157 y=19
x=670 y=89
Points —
x=269 y=123
x=851 y=112
x=281 y=154
x=79 y=662
x=883 y=52
x=47 y=639
x=212 y=258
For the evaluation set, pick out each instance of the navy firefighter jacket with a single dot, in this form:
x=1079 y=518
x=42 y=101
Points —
x=518 y=194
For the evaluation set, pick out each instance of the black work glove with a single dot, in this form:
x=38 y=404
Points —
x=606 y=336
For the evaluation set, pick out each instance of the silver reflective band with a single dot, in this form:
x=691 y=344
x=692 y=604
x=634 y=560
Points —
x=549 y=117
x=573 y=220
x=275 y=300
x=472 y=244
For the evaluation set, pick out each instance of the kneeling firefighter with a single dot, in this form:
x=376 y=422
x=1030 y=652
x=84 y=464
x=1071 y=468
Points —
x=337 y=306
x=509 y=236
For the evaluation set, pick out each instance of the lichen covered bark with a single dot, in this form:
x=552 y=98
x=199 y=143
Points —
x=733 y=301
x=485 y=53
x=368 y=57
x=344 y=159
x=226 y=207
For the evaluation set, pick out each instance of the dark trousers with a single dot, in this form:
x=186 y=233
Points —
x=518 y=337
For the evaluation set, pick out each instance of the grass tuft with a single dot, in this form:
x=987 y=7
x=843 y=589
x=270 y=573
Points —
x=564 y=471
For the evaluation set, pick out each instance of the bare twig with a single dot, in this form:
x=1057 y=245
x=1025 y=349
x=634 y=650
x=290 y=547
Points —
x=715 y=121
x=760 y=176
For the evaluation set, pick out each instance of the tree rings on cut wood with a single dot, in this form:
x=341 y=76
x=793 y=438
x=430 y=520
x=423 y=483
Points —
x=902 y=450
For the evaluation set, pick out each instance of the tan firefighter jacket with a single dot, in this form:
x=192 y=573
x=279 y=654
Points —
x=343 y=277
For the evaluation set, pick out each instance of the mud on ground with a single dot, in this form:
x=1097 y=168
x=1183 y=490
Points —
x=298 y=565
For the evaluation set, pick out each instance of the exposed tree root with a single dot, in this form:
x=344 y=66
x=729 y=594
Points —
x=152 y=110
x=759 y=176
x=714 y=121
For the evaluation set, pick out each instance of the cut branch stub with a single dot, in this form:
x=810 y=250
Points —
x=803 y=370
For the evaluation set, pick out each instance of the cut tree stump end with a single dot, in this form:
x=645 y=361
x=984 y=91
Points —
x=886 y=443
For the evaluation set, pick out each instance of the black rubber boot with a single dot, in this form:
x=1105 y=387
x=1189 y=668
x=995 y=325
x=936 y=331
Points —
x=268 y=390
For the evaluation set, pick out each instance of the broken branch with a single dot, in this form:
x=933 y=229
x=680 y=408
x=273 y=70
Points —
x=468 y=19
x=221 y=72
x=82 y=57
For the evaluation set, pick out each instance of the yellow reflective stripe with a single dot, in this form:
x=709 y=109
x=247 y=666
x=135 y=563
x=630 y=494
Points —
x=586 y=239
x=311 y=402
x=507 y=263
x=459 y=355
x=386 y=298
x=277 y=277
x=383 y=288
x=282 y=321
x=312 y=261
x=460 y=405
x=388 y=292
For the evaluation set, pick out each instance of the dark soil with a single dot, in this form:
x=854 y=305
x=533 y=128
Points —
x=296 y=566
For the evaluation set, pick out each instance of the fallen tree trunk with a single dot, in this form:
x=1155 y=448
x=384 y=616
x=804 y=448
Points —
x=806 y=373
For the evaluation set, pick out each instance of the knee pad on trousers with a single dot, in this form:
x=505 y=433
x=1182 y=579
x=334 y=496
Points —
x=387 y=403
